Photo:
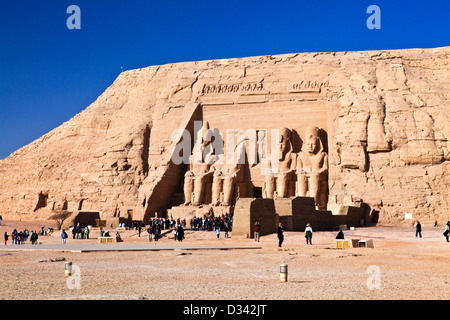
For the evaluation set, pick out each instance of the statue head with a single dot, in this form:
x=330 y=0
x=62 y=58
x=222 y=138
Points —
x=312 y=140
x=284 y=143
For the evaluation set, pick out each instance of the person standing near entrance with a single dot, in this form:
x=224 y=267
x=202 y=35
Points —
x=308 y=234
x=280 y=234
x=257 y=228
x=6 y=238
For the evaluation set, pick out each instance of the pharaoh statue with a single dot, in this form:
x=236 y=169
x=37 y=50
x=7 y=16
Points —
x=226 y=176
x=224 y=182
x=312 y=168
x=200 y=170
x=279 y=175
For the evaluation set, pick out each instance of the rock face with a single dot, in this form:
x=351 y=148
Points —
x=384 y=119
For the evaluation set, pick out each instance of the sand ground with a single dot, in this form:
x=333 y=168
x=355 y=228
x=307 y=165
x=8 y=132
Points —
x=399 y=267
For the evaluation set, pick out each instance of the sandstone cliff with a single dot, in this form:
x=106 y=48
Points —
x=386 y=115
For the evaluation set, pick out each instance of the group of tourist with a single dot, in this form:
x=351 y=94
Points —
x=20 y=237
x=221 y=223
x=446 y=230
x=217 y=224
x=80 y=233
x=178 y=232
x=280 y=233
x=155 y=227
x=340 y=235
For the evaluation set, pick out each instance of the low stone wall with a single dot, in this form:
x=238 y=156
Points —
x=294 y=213
x=249 y=210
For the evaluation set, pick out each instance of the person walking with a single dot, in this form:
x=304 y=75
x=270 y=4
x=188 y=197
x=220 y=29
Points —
x=34 y=237
x=280 y=231
x=63 y=236
x=308 y=234
x=257 y=230
x=447 y=231
x=418 y=229
x=6 y=238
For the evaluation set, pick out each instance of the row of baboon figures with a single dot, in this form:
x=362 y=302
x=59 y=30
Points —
x=307 y=168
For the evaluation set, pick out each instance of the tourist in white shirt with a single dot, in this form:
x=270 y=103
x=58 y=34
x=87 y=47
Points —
x=308 y=233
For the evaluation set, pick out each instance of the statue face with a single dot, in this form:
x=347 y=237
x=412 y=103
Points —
x=283 y=143
x=312 y=140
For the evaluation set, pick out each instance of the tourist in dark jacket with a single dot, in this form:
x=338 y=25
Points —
x=280 y=234
x=418 y=229
x=180 y=232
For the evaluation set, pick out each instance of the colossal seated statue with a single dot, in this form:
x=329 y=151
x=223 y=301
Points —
x=200 y=168
x=224 y=181
x=280 y=170
x=312 y=168
x=206 y=171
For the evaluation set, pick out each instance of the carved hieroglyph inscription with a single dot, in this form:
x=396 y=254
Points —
x=310 y=85
x=232 y=88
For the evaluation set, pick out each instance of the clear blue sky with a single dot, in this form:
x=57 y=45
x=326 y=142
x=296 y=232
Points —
x=49 y=73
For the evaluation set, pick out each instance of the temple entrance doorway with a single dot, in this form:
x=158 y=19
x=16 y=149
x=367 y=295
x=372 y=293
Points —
x=257 y=192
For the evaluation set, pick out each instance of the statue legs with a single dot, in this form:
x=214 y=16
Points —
x=302 y=185
x=216 y=189
x=283 y=184
x=270 y=186
x=199 y=190
x=188 y=189
x=228 y=190
x=314 y=187
x=311 y=185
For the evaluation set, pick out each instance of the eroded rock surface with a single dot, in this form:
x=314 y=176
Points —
x=385 y=115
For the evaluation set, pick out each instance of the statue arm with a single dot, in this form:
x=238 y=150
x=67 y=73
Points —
x=299 y=163
x=293 y=162
x=324 y=168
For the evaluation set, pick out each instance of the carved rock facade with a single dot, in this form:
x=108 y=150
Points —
x=383 y=119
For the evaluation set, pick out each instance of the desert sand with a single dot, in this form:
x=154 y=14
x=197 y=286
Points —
x=410 y=267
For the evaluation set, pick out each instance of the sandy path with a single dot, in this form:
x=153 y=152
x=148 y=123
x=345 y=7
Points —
x=409 y=268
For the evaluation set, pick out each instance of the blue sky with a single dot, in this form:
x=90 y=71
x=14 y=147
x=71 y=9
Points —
x=49 y=73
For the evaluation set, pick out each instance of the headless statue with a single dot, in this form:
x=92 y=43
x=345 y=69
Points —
x=225 y=178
